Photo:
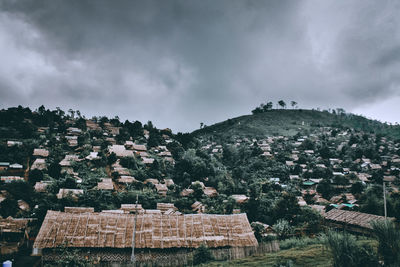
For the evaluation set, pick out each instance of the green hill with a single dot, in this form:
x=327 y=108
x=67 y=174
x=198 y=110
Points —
x=290 y=122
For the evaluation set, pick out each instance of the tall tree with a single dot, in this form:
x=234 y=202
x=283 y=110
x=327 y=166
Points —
x=282 y=103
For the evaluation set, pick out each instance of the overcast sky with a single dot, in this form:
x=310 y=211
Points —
x=179 y=63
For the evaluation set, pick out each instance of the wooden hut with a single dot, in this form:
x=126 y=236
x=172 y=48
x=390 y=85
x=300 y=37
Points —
x=109 y=236
x=352 y=221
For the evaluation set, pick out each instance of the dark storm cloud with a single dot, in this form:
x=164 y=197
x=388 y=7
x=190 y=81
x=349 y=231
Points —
x=179 y=63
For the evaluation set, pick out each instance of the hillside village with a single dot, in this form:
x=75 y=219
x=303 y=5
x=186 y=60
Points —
x=60 y=169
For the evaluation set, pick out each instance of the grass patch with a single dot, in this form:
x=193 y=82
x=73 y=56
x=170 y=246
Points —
x=311 y=255
x=304 y=252
x=296 y=242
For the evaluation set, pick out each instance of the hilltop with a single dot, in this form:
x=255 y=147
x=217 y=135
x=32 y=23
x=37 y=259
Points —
x=287 y=122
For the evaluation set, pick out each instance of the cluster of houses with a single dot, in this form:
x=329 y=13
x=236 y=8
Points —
x=111 y=234
x=305 y=164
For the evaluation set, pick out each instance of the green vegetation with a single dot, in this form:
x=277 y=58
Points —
x=389 y=242
x=289 y=122
x=202 y=255
x=313 y=255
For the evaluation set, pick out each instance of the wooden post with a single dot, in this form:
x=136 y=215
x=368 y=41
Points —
x=133 y=259
x=384 y=199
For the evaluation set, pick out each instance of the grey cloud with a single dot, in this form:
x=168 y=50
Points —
x=179 y=63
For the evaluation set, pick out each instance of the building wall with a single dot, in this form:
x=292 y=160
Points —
x=160 y=257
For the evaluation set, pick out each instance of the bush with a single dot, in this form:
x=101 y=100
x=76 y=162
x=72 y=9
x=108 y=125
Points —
x=296 y=242
x=347 y=253
x=389 y=242
x=202 y=254
x=283 y=263
x=283 y=229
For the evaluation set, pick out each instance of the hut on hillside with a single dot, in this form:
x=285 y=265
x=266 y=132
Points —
x=352 y=221
x=156 y=238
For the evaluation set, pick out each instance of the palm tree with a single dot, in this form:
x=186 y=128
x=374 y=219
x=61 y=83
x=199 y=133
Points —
x=293 y=103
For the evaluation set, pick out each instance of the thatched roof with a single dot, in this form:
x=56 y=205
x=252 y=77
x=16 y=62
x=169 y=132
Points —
x=105 y=184
x=353 y=218
x=126 y=179
x=41 y=152
x=128 y=208
x=63 y=192
x=11 y=225
x=78 y=209
x=39 y=164
x=139 y=147
x=100 y=230
x=210 y=191
x=120 y=151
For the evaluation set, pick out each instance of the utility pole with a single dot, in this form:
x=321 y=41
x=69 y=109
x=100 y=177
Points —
x=384 y=198
x=133 y=259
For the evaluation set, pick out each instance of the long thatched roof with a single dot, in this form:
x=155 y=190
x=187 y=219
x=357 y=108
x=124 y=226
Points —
x=101 y=230
x=353 y=218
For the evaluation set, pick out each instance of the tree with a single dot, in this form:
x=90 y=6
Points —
x=293 y=103
x=325 y=188
x=269 y=105
x=8 y=207
x=282 y=103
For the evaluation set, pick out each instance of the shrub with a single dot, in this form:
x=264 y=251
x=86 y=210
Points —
x=389 y=242
x=283 y=263
x=283 y=229
x=296 y=242
x=347 y=253
x=202 y=254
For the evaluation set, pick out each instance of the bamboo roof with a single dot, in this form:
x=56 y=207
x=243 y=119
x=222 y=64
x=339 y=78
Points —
x=100 y=230
x=353 y=217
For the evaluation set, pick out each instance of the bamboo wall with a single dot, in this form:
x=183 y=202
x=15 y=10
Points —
x=166 y=257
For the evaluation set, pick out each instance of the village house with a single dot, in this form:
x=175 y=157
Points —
x=4 y=166
x=240 y=198
x=14 y=143
x=14 y=234
x=109 y=236
x=74 y=193
x=41 y=186
x=9 y=179
x=39 y=164
x=126 y=179
x=132 y=208
x=40 y=152
x=120 y=151
x=162 y=189
x=352 y=221
x=92 y=155
x=105 y=184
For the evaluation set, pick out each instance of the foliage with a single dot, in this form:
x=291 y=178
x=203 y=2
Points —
x=284 y=263
x=301 y=242
x=202 y=255
x=389 y=241
x=70 y=258
x=348 y=253
x=283 y=229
